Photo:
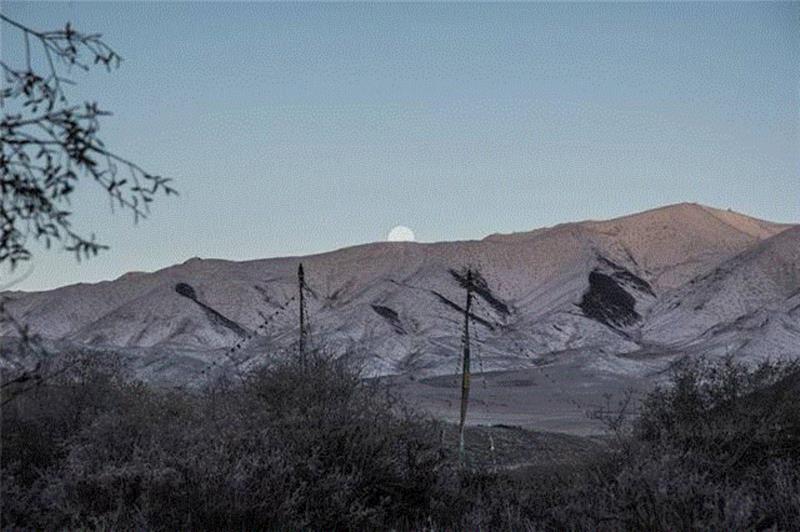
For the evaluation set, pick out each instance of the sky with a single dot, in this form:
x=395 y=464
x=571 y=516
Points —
x=292 y=129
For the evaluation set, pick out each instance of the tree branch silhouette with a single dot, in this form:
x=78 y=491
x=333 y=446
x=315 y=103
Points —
x=50 y=145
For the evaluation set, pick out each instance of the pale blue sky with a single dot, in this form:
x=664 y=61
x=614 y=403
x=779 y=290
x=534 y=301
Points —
x=299 y=128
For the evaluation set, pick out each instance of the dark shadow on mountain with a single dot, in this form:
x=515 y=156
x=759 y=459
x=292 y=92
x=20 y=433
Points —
x=607 y=302
x=459 y=308
x=481 y=287
x=188 y=291
x=391 y=317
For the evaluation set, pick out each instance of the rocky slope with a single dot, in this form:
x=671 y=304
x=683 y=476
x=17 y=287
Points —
x=680 y=278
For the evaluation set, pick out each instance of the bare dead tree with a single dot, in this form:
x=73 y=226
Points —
x=49 y=145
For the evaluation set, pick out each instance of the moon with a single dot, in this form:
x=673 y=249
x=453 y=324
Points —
x=401 y=233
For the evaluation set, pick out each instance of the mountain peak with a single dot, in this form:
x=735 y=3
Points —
x=686 y=218
x=696 y=214
x=397 y=299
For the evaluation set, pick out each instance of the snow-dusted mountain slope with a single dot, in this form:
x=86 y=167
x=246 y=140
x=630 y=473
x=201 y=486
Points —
x=680 y=276
x=753 y=297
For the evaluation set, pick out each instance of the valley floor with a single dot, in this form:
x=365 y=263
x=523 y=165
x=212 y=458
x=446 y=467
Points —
x=563 y=396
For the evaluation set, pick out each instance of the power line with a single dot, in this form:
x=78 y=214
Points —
x=229 y=353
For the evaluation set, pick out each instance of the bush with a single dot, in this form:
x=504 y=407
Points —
x=296 y=445
x=718 y=448
x=309 y=444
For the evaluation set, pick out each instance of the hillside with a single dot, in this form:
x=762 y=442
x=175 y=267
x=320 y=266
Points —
x=657 y=281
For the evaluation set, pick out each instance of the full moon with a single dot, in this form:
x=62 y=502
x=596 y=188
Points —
x=401 y=233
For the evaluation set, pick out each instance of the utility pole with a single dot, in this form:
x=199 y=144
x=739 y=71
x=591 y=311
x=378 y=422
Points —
x=465 y=371
x=301 y=283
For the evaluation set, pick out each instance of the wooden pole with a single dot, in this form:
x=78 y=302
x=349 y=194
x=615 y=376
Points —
x=300 y=289
x=465 y=370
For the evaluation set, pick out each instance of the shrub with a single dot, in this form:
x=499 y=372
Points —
x=309 y=444
x=296 y=445
x=718 y=448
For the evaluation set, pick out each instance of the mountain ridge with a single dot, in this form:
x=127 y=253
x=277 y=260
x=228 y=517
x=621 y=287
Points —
x=598 y=285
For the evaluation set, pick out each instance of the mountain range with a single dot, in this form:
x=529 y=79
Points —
x=684 y=279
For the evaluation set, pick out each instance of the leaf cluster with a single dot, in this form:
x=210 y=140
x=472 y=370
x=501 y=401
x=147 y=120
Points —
x=50 y=145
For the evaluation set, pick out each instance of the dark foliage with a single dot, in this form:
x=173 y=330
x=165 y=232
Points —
x=716 y=449
x=311 y=445
x=294 y=446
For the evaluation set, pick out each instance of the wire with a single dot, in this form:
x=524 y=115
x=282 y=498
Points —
x=229 y=353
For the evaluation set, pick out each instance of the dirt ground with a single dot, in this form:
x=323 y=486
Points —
x=558 y=397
